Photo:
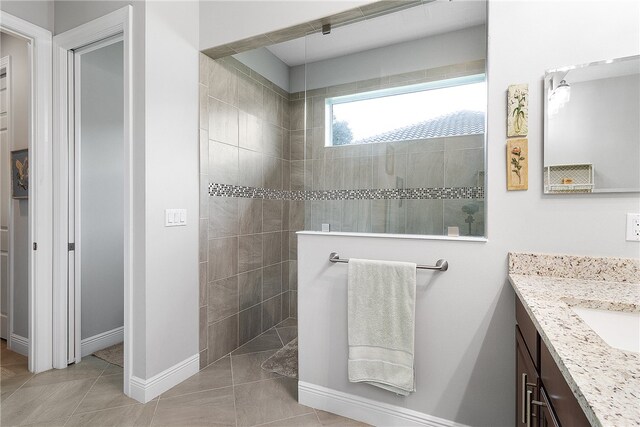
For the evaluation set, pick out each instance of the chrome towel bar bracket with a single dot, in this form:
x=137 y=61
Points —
x=441 y=265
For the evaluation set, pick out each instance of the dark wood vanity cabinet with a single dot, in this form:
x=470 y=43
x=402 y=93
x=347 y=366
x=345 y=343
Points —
x=543 y=398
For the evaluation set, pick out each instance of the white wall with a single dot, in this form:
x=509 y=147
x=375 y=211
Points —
x=18 y=51
x=102 y=190
x=464 y=45
x=226 y=21
x=171 y=100
x=37 y=12
x=599 y=125
x=465 y=317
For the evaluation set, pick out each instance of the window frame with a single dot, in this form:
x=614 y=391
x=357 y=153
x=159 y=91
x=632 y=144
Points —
x=329 y=102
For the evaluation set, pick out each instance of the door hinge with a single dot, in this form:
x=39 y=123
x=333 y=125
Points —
x=35 y=246
x=72 y=246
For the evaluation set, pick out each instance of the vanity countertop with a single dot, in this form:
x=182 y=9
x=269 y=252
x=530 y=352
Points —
x=605 y=380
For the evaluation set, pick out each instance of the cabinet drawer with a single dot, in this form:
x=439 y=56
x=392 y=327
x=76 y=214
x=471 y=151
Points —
x=528 y=331
x=564 y=403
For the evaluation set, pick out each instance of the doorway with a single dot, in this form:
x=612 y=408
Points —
x=14 y=194
x=93 y=83
x=96 y=202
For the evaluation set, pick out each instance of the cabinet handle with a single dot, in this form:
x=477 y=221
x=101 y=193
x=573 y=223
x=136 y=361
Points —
x=530 y=402
x=524 y=386
x=524 y=394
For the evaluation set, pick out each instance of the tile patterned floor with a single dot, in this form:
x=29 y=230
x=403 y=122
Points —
x=234 y=391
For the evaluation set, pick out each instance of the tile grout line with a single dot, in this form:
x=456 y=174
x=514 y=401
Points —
x=83 y=397
x=233 y=391
x=155 y=409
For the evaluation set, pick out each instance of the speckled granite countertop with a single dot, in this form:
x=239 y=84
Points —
x=605 y=380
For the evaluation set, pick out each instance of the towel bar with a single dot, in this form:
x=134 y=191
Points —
x=441 y=265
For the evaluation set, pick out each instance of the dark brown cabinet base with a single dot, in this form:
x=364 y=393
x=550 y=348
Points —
x=543 y=397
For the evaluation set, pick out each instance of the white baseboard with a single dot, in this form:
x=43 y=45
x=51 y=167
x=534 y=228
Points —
x=365 y=410
x=4 y=326
x=98 y=342
x=20 y=345
x=146 y=390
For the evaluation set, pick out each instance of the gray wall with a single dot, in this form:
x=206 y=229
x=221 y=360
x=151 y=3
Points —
x=600 y=125
x=37 y=12
x=17 y=49
x=244 y=256
x=462 y=46
x=102 y=189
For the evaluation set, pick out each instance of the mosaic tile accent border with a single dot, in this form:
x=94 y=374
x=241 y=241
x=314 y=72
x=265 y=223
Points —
x=227 y=190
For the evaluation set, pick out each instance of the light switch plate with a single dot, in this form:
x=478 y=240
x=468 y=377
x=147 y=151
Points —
x=633 y=227
x=175 y=217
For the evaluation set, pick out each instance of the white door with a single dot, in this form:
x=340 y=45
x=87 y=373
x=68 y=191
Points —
x=96 y=199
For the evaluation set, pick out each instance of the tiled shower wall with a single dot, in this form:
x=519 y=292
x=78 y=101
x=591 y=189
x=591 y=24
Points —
x=449 y=162
x=244 y=242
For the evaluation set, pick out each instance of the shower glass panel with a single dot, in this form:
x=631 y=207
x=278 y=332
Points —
x=394 y=123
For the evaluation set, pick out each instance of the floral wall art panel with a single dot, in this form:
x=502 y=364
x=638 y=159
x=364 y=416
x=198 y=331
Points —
x=518 y=110
x=517 y=164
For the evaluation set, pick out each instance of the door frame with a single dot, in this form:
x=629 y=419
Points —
x=40 y=191
x=112 y=24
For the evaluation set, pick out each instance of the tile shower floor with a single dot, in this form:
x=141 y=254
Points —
x=234 y=391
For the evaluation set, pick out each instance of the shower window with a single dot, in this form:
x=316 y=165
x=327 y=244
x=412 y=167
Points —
x=444 y=108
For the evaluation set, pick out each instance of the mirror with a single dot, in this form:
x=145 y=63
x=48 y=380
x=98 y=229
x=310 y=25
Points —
x=592 y=127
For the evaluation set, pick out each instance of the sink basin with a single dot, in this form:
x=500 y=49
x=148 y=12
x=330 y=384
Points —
x=619 y=329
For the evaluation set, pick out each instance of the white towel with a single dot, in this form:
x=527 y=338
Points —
x=381 y=312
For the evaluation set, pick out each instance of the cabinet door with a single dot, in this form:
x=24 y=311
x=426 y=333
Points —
x=547 y=417
x=527 y=385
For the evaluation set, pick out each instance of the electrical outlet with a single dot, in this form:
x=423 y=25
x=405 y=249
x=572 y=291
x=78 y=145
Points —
x=633 y=227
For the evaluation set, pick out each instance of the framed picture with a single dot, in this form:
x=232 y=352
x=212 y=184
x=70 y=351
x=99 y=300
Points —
x=517 y=164
x=518 y=110
x=20 y=174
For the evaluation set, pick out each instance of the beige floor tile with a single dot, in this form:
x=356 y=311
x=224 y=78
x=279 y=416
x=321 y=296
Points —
x=247 y=367
x=55 y=423
x=8 y=357
x=207 y=408
x=309 y=420
x=329 y=419
x=38 y=404
x=112 y=369
x=267 y=401
x=89 y=367
x=216 y=375
x=9 y=371
x=105 y=393
x=9 y=385
x=127 y=416
x=270 y=340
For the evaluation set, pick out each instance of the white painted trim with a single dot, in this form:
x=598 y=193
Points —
x=19 y=345
x=366 y=410
x=5 y=63
x=98 y=342
x=146 y=390
x=40 y=193
x=114 y=23
x=4 y=327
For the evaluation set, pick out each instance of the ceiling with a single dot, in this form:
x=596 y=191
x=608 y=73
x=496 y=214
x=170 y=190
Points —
x=428 y=19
